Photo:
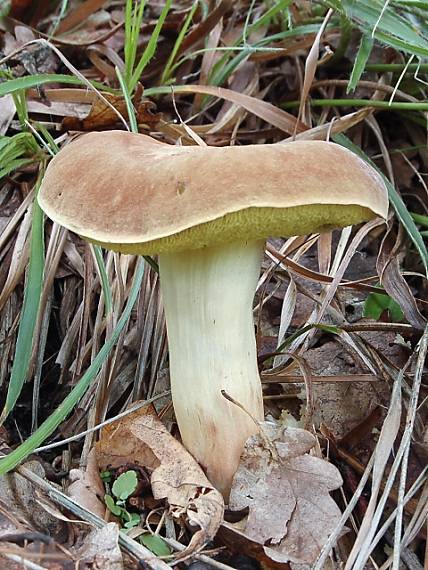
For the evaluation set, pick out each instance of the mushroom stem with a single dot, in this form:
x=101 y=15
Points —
x=208 y=297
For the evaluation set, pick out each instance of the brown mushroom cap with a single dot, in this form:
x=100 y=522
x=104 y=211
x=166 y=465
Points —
x=134 y=194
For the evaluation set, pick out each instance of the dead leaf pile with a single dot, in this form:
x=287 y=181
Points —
x=142 y=439
x=287 y=493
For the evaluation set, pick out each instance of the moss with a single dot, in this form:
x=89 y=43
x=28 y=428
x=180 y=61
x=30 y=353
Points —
x=251 y=223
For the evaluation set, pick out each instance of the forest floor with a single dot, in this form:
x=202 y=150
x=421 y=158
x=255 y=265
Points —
x=93 y=473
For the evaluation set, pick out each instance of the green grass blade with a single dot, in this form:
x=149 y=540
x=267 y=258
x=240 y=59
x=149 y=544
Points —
x=266 y=18
x=392 y=29
x=150 y=50
x=419 y=219
x=167 y=70
x=224 y=68
x=363 y=55
x=133 y=21
x=219 y=74
x=129 y=105
x=47 y=138
x=397 y=202
x=19 y=98
x=105 y=284
x=30 y=308
x=30 y=81
x=14 y=165
x=16 y=151
x=64 y=409
x=398 y=67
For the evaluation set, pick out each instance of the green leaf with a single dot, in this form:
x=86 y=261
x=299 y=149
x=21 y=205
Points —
x=129 y=105
x=363 y=55
x=108 y=297
x=106 y=476
x=17 y=151
x=111 y=505
x=134 y=520
x=150 y=50
x=125 y=485
x=388 y=25
x=377 y=303
x=155 y=543
x=184 y=27
x=419 y=219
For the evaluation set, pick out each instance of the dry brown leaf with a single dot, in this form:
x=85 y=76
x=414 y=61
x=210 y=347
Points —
x=101 y=116
x=87 y=488
x=290 y=510
x=141 y=438
x=239 y=543
x=79 y=15
x=100 y=548
x=392 y=280
x=19 y=500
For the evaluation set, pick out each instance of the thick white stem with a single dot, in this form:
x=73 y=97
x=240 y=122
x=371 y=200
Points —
x=208 y=297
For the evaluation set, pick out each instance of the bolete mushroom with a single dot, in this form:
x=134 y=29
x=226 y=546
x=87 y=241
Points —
x=206 y=211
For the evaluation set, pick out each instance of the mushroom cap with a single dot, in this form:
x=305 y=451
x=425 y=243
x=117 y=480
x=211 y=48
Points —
x=134 y=194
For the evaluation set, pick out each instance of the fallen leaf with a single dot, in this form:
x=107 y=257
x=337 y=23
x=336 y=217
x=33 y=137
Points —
x=239 y=543
x=101 y=115
x=87 y=488
x=287 y=492
x=22 y=504
x=101 y=548
x=141 y=438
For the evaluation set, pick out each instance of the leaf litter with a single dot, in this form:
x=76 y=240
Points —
x=75 y=324
x=286 y=490
x=142 y=439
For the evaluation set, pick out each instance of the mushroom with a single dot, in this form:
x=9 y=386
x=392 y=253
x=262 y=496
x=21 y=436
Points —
x=206 y=211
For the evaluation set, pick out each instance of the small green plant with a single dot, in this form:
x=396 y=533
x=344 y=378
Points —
x=122 y=489
x=378 y=303
x=17 y=151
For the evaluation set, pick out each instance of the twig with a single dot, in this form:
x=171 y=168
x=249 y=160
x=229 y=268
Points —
x=202 y=557
x=25 y=563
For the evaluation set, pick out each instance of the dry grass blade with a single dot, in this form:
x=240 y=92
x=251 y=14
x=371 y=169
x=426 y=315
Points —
x=266 y=111
x=365 y=540
x=392 y=280
x=19 y=258
x=78 y=15
x=206 y=26
x=311 y=65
